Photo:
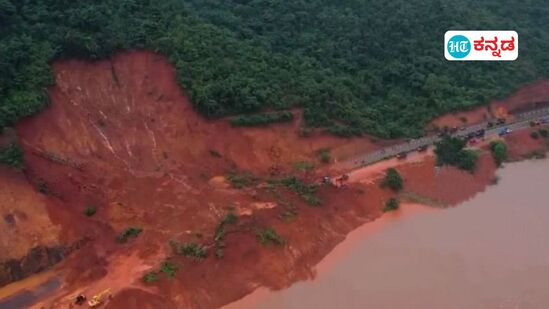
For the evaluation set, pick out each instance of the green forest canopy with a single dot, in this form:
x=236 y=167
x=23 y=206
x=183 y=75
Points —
x=355 y=66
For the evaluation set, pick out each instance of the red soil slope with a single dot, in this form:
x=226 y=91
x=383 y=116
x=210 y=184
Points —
x=122 y=136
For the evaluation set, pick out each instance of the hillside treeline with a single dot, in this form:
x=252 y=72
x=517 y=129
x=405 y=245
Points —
x=354 y=66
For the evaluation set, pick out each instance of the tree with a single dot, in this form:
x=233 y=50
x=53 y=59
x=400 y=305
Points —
x=393 y=180
x=450 y=151
x=499 y=151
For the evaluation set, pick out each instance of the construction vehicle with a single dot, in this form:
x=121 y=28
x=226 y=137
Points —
x=98 y=298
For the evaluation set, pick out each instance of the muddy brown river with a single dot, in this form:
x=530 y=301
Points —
x=489 y=252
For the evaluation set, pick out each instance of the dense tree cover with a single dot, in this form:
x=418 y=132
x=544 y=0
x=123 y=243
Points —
x=499 y=151
x=354 y=65
x=261 y=119
x=451 y=151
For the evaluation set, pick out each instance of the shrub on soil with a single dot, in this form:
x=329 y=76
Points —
x=391 y=204
x=269 y=236
x=90 y=211
x=150 y=277
x=130 y=232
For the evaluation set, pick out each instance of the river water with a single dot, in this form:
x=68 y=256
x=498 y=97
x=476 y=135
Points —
x=489 y=252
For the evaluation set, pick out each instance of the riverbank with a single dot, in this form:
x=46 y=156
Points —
x=491 y=248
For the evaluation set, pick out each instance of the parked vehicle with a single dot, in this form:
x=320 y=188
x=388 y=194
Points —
x=504 y=131
x=490 y=124
x=401 y=155
x=501 y=121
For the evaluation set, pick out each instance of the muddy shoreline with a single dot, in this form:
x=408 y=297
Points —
x=138 y=151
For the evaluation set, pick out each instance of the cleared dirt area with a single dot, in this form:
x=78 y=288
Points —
x=121 y=136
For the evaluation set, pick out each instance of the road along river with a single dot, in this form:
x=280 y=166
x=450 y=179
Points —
x=489 y=252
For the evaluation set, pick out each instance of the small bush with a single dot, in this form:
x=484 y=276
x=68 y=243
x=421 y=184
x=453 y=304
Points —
x=534 y=134
x=230 y=218
x=190 y=249
x=303 y=166
x=324 y=155
x=241 y=180
x=128 y=233
x=169 y=268
x=215 y=154
x=544 y=133
x=306 y=191
x=391 y=204
x=90 y=211
x=269 y=235
x=393 y=180
x=149 y=277
x=12 y=155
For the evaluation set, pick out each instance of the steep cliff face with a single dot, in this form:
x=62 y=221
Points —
x=29 y=240
x=37 y=259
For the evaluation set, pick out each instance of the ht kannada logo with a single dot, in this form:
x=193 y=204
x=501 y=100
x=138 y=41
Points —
x=459 y=46
x=485 y=45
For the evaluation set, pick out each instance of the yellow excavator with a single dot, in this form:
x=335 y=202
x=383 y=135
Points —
x=98 y=298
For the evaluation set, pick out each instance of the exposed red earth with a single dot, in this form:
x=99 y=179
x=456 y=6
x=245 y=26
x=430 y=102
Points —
x=121 y=135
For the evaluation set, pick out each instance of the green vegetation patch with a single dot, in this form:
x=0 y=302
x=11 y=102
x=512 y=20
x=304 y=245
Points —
x=189 y=249
x=128 y=233
x=269 y=236
x=12 y=155
x=261 y=119
x=150 y=277
x=450 y=151
x=303 y=166
x=392 y=180
x=241 y=180
x=391 y=204
x=499 y=151
x=229 y=218
x=324 y=155
x=169 y=268
x=90 y=210
x=305 y=191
